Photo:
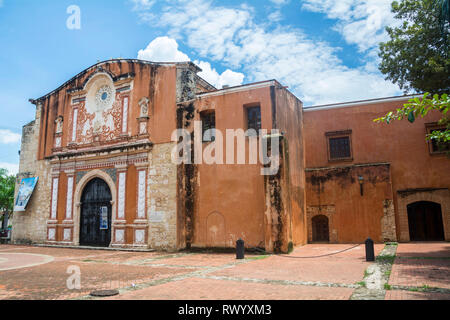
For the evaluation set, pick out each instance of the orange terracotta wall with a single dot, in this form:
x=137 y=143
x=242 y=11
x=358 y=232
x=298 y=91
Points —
x=401 y=144
x=356 y=216
x=156 y=82
x=231 y=196
x=289 y=120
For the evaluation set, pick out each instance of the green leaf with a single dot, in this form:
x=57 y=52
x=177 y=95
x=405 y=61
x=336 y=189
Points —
x=411 y=117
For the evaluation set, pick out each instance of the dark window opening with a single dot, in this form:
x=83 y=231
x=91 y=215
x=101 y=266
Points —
x=340 y=148
x=254 y=118
x=208 y=123
x=438 y=147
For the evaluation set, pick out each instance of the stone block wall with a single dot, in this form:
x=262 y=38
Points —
x=31 y=226
x=162 y=195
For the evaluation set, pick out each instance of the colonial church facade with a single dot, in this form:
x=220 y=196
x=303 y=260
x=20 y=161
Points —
x=102 y=144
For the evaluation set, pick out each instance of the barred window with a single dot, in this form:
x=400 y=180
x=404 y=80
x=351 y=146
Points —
x=254 y=118
x=339 y=145
x=208 y=119
x=434 y=146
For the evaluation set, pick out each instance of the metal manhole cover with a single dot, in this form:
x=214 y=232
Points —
x=104 y=293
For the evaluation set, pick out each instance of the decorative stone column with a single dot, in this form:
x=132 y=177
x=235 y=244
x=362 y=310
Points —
x=53 y=219
x=140 y=227
x=119 y=226
x=68 y=223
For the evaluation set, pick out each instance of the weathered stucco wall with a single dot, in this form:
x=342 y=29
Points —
x=229 y=200
x=353 y=215
x=401 y=144
x=289 y=120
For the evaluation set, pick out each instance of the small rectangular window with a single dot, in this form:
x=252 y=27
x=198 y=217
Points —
x=434 y=146
x=254 y=118
x=339 y=145
x=208 y=119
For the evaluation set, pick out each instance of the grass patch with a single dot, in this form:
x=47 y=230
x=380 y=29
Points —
x=392 y=243
x=257 y=257
x=423 y=288
x=94 y=261
x=387 y=273
x=387 y=286
x=362 y=284
x=366 y=274
x=386 y=259
x=425 y=258
x=290 y=247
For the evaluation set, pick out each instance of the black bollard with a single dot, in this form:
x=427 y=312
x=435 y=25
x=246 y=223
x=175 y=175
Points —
x=370 y=251
x=240 y=249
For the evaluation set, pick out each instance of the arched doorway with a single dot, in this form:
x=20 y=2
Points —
x=96 y=213
x=320 y=229
x=425 y=221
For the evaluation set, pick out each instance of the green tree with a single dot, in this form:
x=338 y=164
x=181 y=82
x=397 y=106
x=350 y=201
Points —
x=417 y=56
x=7 y=185
x=420 y=107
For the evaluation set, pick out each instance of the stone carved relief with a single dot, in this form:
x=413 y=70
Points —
x=120 y=236
x=143 y=128
x=59 y=125
x=139 y=236
x=52 y=234
x=57 y=142
x=143 y=105
x=67 y=236
x=99 y=117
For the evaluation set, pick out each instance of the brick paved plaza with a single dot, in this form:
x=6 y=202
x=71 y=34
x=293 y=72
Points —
x=419 y=271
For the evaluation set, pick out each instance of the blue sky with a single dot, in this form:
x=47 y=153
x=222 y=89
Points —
x=324 y=50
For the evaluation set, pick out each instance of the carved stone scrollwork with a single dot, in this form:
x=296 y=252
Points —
x=59 y=124
x=143 y=105
x=144 y=116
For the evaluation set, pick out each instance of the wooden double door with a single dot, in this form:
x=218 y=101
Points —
x=95 y=219
x=425 y=221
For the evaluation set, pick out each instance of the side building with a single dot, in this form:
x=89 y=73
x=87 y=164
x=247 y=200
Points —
x=366 y=179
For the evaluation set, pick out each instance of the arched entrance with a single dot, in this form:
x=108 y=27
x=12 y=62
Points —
x=95 y=218
x=320 y=229
x=425 y=221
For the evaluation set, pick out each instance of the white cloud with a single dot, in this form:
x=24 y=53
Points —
x=165 y=49
x=275 y=16
x=12 y=168
x=361 y=22
x=141 y=4
x=228 y=77
x=7 y=136
x=310 y=68
x=279 y=2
